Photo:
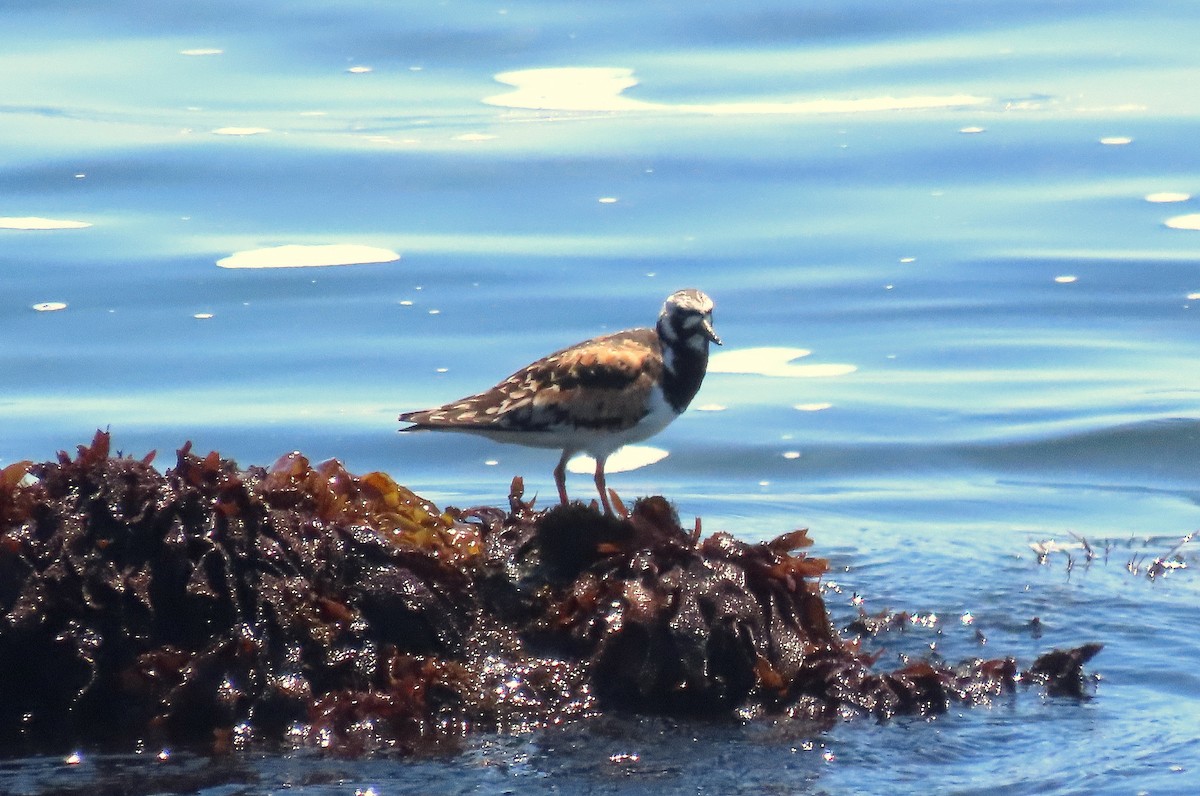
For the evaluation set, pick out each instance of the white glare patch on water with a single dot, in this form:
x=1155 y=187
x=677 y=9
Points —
x=772 y=361
x=360 y=70
x=1191 y=221
x=1193 y=296
x=1166 y=197
x=791 y=455
x=569 y=89
x=1116 y=140
x=972 y=130
x=1066 y=279
x=710 y=408
x=202 y=51
x=600 y=89
x=241 y=131
x=35 y=222
x=631 y=457
x=813 y=407
x=202 y=316
x=50 y=306
x=473 y=137
x=308 y=256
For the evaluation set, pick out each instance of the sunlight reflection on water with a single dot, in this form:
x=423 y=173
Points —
x=602 y=89
x=1190 y=222
x=628 y=458
x=37 y=223
x=773 y=361
x=308 y=256
x=241 y=131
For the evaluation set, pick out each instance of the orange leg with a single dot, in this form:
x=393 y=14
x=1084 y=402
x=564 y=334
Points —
x=560 y=477
x=600 y=485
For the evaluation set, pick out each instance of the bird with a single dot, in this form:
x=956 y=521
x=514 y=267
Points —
x=595 y=396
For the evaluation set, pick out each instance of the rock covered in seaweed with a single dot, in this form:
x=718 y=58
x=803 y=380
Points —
x=665 y=623
x=181 y=603
x=302 y=603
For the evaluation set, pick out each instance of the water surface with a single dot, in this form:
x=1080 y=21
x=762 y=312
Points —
x=962 y=212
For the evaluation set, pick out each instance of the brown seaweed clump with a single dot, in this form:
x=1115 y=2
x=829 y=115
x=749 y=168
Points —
x=303 y=604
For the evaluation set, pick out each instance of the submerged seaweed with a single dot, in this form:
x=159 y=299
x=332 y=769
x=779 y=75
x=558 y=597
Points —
x=304 y=604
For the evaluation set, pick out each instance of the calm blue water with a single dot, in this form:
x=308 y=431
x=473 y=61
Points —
x=959 y=209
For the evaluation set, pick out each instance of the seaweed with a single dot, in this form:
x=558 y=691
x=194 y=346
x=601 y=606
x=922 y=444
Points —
x=302 y=604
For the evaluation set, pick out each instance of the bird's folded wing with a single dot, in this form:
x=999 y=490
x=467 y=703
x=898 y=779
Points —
x=603 y=383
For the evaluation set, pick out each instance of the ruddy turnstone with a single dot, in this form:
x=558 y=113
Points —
x=596 y=396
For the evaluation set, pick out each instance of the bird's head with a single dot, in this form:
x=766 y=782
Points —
x=686 y=319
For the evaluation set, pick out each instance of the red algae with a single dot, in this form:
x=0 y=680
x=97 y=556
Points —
x=304 y=604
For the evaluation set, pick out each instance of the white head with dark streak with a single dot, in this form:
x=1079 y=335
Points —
x=686 y=315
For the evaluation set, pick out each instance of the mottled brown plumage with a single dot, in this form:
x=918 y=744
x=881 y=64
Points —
x=601 y=383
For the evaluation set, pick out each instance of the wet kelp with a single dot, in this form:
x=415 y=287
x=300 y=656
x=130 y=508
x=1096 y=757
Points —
x=306 y=605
